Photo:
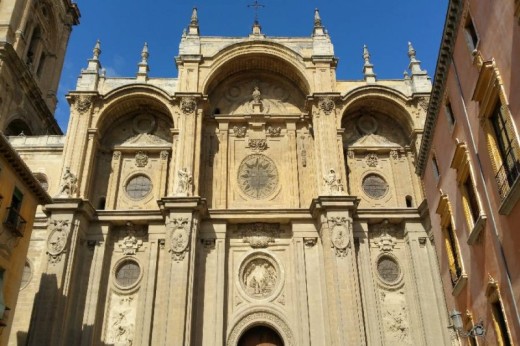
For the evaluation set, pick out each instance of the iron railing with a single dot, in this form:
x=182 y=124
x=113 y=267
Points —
x=15 y=222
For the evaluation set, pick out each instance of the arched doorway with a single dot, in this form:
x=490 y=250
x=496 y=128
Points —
x=260 y=336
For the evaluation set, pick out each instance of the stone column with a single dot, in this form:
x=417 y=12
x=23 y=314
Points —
x=333 y=216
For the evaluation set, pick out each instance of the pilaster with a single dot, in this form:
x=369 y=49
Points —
x=68 y=217
x=333 y=216
x=183 y=216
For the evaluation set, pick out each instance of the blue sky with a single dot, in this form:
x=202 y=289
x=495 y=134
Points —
x=124 y=25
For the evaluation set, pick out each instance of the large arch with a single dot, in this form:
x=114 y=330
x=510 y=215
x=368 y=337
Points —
x=381 y=99
x=132 y=98
x=263 y=56
x=260 y=317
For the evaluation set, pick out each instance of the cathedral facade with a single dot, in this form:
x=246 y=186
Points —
x=254 y=197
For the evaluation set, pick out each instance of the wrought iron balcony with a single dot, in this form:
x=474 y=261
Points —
x=506 y=177
x=15 y=222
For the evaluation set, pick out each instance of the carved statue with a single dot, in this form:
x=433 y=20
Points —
x=185 y=182
x=69 y=184
x=257 y=95
x=333 y=183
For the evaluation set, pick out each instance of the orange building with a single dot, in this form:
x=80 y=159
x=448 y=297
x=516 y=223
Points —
x=470 y=166
x=20 y=194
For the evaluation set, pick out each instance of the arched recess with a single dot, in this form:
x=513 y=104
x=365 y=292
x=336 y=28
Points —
x=260 y=318
x=379 y=99
x=281 y=88
x=133 y=151
x=262 y=56
x=18 y=127
x=377 y=138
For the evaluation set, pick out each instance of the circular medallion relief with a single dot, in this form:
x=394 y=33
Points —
x=375 y=186
x=144 y=123
x=138 y=187
x=258 y=176
x=127 y=273
x=259 y=277
x=367 y=125
x=388 y=269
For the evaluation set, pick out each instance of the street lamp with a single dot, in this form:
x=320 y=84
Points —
x=477 y=329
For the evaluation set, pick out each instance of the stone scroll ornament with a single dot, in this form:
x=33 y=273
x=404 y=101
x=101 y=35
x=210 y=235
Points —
x=340 y=230
x=259 y=235
x=188 y=105
x=327 y=105
x=179 y=231
x=57 y=240
x=69 y=184
x=83 y=103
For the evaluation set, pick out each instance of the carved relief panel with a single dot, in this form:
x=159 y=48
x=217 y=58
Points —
x=389 y=260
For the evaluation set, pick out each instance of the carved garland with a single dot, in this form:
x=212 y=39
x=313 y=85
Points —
x=259 y=235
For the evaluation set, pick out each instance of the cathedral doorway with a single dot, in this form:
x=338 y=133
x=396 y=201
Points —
x=260 y=336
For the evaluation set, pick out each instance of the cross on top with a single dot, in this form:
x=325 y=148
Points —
x=256 y=5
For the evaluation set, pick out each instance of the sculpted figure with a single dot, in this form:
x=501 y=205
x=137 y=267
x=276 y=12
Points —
x=333 y=183
x=257 y=95
x=69 y=184
x=185 y=180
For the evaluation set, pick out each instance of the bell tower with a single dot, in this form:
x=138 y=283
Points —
x=33 y=40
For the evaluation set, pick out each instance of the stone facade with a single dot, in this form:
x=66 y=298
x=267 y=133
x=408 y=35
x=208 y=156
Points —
x=254 y=189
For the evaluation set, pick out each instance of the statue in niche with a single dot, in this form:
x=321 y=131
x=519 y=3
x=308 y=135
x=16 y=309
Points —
x=69 y=184
x=257 y=95
x=333 y=183
x=185 y=181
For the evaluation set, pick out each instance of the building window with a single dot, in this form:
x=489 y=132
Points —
x=139 y=186
x=507 y=147
x=471 y=34
x=455 y=265
x=375 y=186
x=500 y=133
x=449 y=114
x=500 y=324
x=127 y=273
x=435 y=167
x=470 y=199
x=14 y=221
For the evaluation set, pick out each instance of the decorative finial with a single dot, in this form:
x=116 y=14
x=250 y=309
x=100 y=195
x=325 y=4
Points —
x=366 y=55
x=194 y=17
x=406 y=76
x=317 y=18
x=144 y=54
x=411 y=51
x=368 y=68
x=96 y=50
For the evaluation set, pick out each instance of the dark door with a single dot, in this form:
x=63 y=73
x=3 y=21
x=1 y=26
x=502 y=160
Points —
x=260 y=336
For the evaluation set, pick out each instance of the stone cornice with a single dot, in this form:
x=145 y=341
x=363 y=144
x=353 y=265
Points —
x=22 y=171
x=29 y=84
x=449 y=36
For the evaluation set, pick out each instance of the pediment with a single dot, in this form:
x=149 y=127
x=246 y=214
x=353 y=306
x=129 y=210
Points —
x=145 y=139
